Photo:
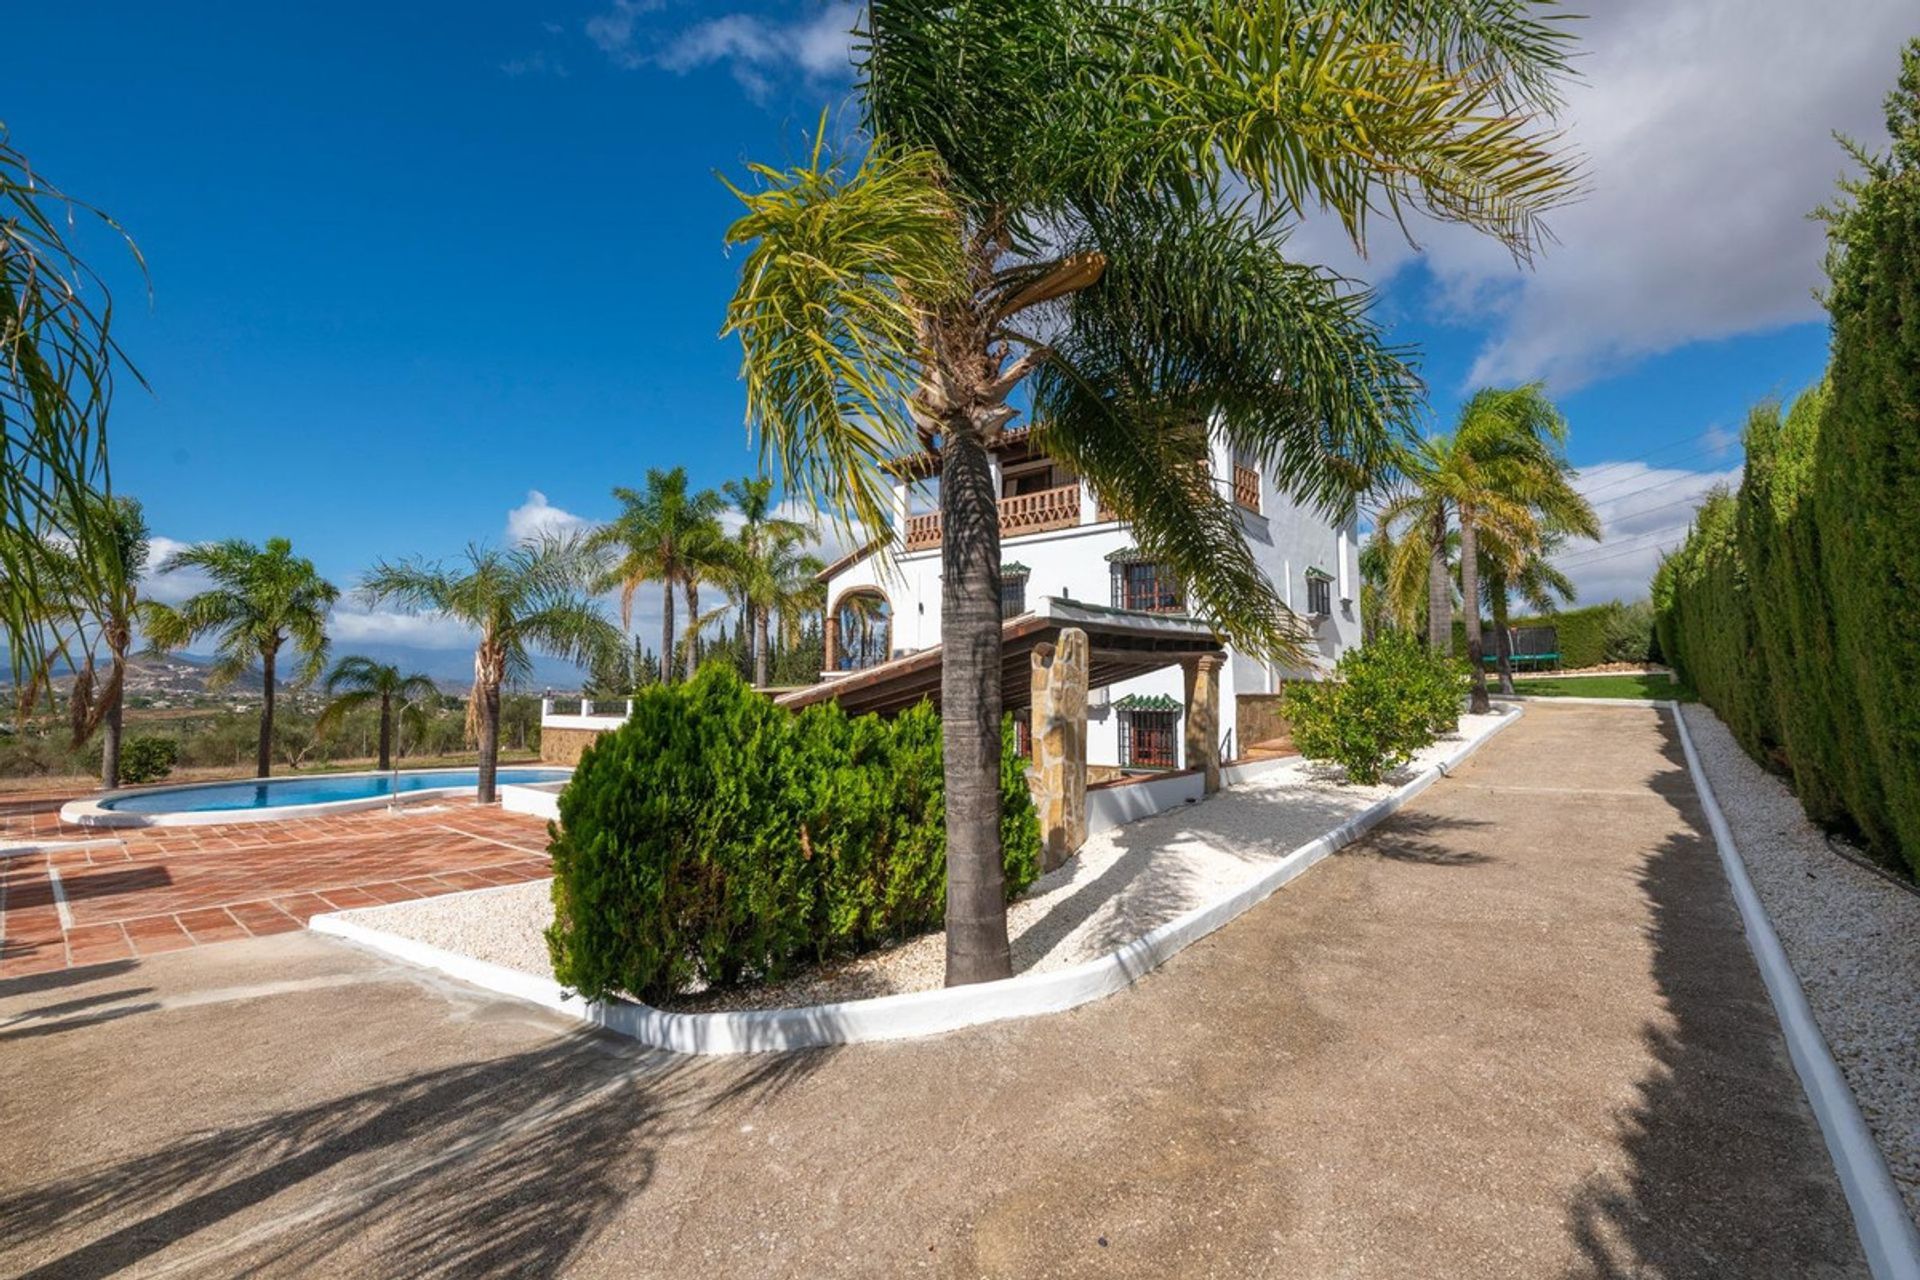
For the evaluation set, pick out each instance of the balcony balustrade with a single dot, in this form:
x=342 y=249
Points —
x=1023 y=513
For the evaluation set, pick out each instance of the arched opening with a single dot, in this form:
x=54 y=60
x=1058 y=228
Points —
x=860 y=630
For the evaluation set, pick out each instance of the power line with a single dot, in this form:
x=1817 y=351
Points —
x=1687 y=475
x=1622 y=551
x=1600 y=551
x=1691 y=441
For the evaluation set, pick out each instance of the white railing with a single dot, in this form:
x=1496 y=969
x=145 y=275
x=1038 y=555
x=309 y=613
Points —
x=584 y=713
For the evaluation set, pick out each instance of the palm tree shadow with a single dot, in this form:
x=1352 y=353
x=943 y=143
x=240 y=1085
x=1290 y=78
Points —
x=509 y=1166
x=1726 y=1173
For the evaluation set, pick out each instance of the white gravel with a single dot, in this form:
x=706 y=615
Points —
x=1853 y=938
x=1124 y=882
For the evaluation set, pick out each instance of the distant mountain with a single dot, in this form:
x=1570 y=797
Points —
x=184 y=675
x=452 y=669
x=174 y=676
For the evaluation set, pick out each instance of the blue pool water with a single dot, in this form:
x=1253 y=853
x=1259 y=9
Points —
x=275 y=793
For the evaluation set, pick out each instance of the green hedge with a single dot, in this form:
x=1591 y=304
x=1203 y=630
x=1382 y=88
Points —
x=1794 y=608
x=1589 y=636
x=716 y=839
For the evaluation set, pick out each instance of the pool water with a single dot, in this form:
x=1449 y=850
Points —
x=275 y=793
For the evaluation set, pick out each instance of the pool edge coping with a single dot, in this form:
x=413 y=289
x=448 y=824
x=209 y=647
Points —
x=90 y=812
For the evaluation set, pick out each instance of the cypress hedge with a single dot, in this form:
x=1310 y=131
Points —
x=1795 y=608
x=1589 y=636
x=715 y=839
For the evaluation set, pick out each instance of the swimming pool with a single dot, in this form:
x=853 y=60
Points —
x=268 y=798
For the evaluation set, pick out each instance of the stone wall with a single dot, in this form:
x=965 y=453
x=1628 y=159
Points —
x=563 y=746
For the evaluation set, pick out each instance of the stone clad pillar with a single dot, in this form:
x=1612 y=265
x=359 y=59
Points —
x=1203 y=717
x=830 y=639
x=1058 y=775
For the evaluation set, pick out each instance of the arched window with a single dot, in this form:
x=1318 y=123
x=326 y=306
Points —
x=864 y=622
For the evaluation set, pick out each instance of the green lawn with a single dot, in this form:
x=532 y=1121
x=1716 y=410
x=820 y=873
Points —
x=1615 y=686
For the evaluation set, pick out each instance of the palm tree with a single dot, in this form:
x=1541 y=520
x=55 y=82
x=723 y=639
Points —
x=357 y=682
x=1091 y=202
x=1530 y=573
x=262 y=599
x=57 y=368
x=101 y=602
x=530 y=598
x=1502 y=479
x=668 y=535
x=767 y=569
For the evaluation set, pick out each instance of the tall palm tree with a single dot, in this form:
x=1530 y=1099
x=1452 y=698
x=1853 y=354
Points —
x=1090 y=202
x=58 y=363
x=100 y=600
x=665 y=534
x=767 y=569
x=1502 y=478
x=262 y=600
x=526 y=599
x=357 y=682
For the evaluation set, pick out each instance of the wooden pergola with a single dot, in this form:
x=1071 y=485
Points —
x=1122 y=643
x=1050 y=658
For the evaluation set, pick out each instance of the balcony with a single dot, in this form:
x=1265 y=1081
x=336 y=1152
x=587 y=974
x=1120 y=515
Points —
x=1246 y=486
x=1024 y=513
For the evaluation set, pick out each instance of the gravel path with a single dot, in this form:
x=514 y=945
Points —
x=1124 y=881
x=1854 y=940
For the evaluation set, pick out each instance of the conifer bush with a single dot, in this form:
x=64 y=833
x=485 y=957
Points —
x=715 y=839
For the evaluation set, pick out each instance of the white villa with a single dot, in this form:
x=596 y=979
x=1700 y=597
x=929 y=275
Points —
x=883 y=602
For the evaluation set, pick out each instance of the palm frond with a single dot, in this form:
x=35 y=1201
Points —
x=828 y=312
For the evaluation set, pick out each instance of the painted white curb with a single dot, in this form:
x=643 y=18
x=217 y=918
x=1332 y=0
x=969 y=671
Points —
x=917 y=1013
x=1887 y=1234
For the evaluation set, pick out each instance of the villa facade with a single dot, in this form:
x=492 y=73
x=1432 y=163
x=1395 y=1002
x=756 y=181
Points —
x=1058 y=540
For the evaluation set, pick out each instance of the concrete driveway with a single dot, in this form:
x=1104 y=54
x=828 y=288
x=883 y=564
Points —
x=1515 y=1033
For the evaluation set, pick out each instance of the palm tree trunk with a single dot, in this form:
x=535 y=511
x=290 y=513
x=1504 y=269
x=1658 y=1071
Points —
x=386 y=732
x=1439 y=592
x=693 y=625
x=489 y=740
x=1502 y=637
x=1470 y=601
x=263 y=762
x=977 y=949
x=110 y=733
x=666 y=630
x=760 y=647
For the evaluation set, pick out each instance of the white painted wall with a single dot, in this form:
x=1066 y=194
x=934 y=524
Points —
x=1286 y=540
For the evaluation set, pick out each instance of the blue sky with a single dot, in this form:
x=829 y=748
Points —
x=413 y=262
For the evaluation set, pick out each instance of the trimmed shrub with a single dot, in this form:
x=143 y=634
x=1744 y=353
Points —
x=1795 y=608
x=715 y=839
x=1388 y=699
x=143 y=758
x=147 y=758
x=1629 y=633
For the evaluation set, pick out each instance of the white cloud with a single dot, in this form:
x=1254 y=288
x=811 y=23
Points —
x=1706 y=134
x=537 y=518
x=175 y=586
x=757 y=51
x=351 y=626
x=537 y=63
x=1644 y=512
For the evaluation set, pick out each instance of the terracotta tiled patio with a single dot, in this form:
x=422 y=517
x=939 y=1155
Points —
x=141 y=892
